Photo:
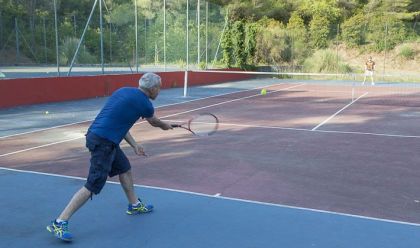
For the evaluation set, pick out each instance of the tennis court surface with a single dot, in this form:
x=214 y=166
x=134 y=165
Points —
x=309 y=164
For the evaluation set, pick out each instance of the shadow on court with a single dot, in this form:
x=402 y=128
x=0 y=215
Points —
x=265 y=152
x=180 y=220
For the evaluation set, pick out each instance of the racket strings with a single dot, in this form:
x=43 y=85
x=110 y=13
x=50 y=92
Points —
x=203 y=125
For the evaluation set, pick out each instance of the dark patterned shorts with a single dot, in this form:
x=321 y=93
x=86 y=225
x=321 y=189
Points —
x=107 y=159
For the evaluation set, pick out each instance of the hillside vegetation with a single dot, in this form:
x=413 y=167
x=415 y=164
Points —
x=305 y=35
x=324 y=35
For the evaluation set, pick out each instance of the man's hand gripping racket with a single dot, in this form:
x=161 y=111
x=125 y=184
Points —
x=204 y=124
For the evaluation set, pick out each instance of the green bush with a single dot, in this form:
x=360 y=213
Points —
x=202 y=66
x=353 y=31
x=326 y=61
x=238 y=45
x=319 y=31
x=407 y=52
x=273 y=43
x=69 y=48
x=385 y=32
x=250 y=42
x=298 y=38
x=84 y=57
x=181 y=63
x=227 y=49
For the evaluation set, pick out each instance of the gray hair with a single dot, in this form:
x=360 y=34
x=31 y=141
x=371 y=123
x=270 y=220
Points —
x=149 y=81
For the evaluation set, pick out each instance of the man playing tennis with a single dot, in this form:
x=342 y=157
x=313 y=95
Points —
x=369 y=69
x=112 y=124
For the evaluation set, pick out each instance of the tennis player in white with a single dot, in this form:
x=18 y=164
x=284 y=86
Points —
x=369 y=69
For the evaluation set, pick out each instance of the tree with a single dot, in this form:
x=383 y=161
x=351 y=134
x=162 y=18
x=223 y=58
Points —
x=319 y=31
x=227 y=50
x=273 y=43
x=250 y=42
x=261 y=31
x=353 y=30
x=299 y=38
x=385 y=32
x=238 y=44
x=321 y=9
x=257 y=9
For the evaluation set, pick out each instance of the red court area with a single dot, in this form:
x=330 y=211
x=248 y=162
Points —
x=295 y=146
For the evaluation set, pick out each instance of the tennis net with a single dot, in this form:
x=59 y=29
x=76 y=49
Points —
x=392 y=90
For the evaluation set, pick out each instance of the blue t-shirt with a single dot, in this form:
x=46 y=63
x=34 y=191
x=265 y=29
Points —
x=121 y=111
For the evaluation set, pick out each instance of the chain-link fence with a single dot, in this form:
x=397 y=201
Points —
x=144 y=34
x=126 y=35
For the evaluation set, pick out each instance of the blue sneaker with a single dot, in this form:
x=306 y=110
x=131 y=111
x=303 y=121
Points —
x=60 y=230
x=140 y=208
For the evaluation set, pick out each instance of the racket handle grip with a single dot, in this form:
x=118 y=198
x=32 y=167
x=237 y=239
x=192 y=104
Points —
x=175 y=125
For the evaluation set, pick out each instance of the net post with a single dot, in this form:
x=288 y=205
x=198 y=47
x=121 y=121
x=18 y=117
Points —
x=136 y=56
x=164 y=35
x=198 y=33
x=187 y=52
x=101 y=36
x=385 y=48
x=44 y=39
x=207 y=33
x=17 y=41
x=56 y=38
x=186 y=83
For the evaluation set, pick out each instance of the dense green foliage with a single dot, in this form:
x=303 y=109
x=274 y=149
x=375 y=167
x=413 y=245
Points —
x=257 y=32
x=36 y=44
x=292 y=32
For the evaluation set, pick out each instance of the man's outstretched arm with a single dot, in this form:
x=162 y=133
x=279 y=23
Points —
x=156 y=122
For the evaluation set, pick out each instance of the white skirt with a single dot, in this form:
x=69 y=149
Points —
x=368 y=73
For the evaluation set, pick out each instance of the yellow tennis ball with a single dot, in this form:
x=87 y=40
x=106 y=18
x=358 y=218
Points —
x=46 y=112
x=263 y=91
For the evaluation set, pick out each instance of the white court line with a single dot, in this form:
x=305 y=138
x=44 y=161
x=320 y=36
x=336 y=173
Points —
x=219 y=196
x=240 y=125
x=162 y=106
x=366 y=133
x=44 y=129
x=322 y=131
x=229 y=101
x=179 y=113
x=41 y=146
x=339 y=111
x=313 y=131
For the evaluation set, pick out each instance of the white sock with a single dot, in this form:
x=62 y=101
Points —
x=59 y=220
x=137 y=203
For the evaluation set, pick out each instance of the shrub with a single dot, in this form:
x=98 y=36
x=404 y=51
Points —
x=181 y=63
x=385 y=32
x=69 y=48
x=238 y=38
x=202 y=66
x=353 y=31
x=407 y=52
x=273 y=43
x=325 y=61
x=299 y=38
x=319 y=31
x=227 y=50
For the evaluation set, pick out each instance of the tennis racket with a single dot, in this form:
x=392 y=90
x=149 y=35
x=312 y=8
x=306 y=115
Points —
x=204 y=124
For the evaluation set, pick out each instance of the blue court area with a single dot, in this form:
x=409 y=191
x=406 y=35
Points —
x=30 y=200
x=180 y=219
